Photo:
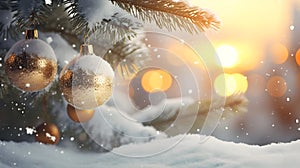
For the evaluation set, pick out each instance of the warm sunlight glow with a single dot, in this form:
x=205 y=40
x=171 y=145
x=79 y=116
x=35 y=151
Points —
x=185 y=55
x=279 y=53
x=276 y=86
x=229 y=84
x=156 y=80
x=228 y=55
x=241 y=83
x=246 y=28
x=225 y=85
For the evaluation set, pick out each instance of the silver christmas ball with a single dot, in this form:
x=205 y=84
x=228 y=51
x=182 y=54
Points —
x=31 y=65
x=87 y=81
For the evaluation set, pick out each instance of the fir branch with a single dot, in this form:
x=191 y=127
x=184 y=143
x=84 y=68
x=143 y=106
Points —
x=127 y=57
x=77 y=20
x=4 y=5
x=8 y=31
x=170 y=14
x=28 y=14
x=7 y=28
x=116 y=28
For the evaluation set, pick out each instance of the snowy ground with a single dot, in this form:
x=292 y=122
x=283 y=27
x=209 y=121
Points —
x=192 y=151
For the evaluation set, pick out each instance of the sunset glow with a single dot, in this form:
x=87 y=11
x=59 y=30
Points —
x=227 y=55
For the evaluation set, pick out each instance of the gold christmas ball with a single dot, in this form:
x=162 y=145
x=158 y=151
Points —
x=31 y=65
x=47 y=133
x=87 y=82
x=80 y=115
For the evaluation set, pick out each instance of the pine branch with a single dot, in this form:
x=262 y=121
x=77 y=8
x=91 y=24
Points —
x=20 y=15
x=77 y=20
x=170 y=14
x=116 y=28
x=4 y=5
x=7 y=27
x=127 y=57
x=28 y=14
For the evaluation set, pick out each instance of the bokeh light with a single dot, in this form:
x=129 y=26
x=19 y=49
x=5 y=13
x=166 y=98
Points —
x=229 y=84
x=225 y=85
x=156 y=80
x=279 y=53
x=298 y=57
x=276 y=86
x=228 y=55
x=241 y=83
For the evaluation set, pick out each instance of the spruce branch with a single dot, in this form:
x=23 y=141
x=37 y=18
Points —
x=28 y=14
x=116 y=28
x=127 y=57
x=170 y=14
x=4 y=5
x=7 y=28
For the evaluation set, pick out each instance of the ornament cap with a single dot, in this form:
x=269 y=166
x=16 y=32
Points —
x=32 y=34
x=86 y=49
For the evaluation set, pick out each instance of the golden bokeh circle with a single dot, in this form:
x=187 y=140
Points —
x=156 y=80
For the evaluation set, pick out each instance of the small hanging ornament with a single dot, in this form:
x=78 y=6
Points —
x=80 y=115
x=47 y=133
x=31 y=64
x=87 y=81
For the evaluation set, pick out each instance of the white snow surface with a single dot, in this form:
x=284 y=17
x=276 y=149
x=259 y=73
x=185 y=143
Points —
x=191 y=152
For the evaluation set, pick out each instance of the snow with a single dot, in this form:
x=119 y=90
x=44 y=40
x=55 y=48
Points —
x=96 y=11
x=191 y=151
x=94 y=65
x=169 y=105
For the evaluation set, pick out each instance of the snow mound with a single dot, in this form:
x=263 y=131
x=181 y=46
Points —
x=191 y=151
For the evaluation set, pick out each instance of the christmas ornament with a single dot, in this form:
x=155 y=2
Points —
x=31 y=64
x=47 y=133
x=87 y=81
x=79 y=115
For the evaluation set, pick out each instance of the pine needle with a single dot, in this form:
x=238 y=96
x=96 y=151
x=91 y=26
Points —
x=30 y=15
x=170 y=14
x=116 y=28
x=127 y=57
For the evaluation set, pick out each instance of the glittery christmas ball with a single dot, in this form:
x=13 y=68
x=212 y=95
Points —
x=47 y=133
x=31 y=65
x=87 y=81
x=79 y=115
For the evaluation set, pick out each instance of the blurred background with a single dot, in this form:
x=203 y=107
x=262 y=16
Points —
x=259 y=47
